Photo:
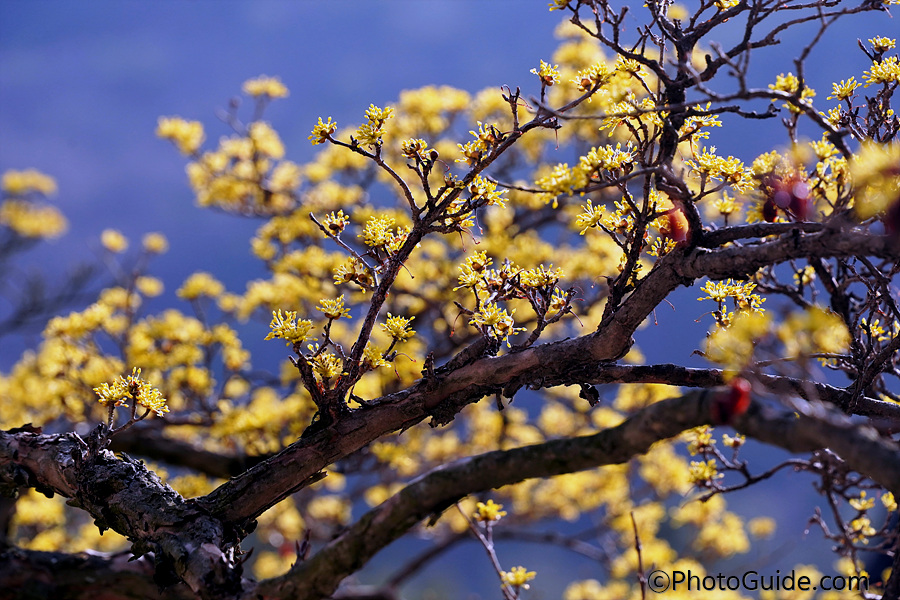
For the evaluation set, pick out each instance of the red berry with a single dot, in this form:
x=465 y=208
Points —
x=731 y=403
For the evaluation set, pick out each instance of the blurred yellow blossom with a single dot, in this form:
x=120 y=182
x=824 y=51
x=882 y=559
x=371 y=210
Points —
x=21 y=183
x=113 y=240
x=155 y=243
x=186 y=135
x=199 y=284
x=32 y=220
x=265 y=86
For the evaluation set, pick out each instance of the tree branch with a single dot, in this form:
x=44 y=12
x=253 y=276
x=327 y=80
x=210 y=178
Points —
x=245 y=497
x=430 y=494
x=123 y=495
x=61 y=576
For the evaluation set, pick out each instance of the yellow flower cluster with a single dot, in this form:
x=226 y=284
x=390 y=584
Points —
x=132 y=387
x=517 y=577
x=264 y=86
x=22 y=183
x=155 y=243
x=489 y=511
x=187 y=136
x=200 y=284
x=246 y=173
x=114 y=241
x=326 y=365
x=548 y=73
x=378 y=233
x=32 y=220
x=21 y=213
x=598 y=74
x=286 y=327
x=875 y=175
x=704 y=472
x=885 y=71
x=813 y=331
x=371 y=132
x=844 y=90
x=790 y=84
x=322 y=131
x=708 y=165
x=398 y=327
x=485 y=138
x=334 y=309
x=741 y=295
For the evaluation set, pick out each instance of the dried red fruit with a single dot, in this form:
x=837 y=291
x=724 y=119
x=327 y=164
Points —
x=790 y=194
x=678 y=228
x=731 y=403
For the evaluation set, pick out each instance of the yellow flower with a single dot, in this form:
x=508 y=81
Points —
x=414 y=148
x=517 y=577
x=370 y=133
x=876 y=177
x=882 y=44
x=886 y=71
x=496 y=320
x=149 y=286
x=285 y=326
x=887 y=499
x=703 y=472
x=373 y=357
x=186 y=135
x=326 y=366
x=548 y=73
x=489 y=511
x=266 y=140
x=862 y=503
x=334 y=309
x=590 y=216
x=155 y=243
x=861 y=529
x=134 y=388
x=814 y=330
x=20 y=183
x=113 y=240
x=265 y=86
x=200 y=284
x=398 y=327
x=596 y=74
x=843 y=90
x=700 y=439
x=790 y=84
x=321 y=131
x=726 y=4
x=733 y=442
x=377 y=231
x=335 y=223
x=761 y=527
x=28 y=219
